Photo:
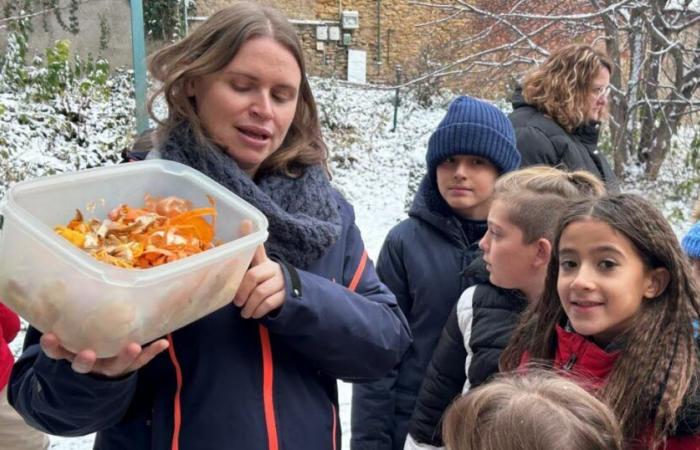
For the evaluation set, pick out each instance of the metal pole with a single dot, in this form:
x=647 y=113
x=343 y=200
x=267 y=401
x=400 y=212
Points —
x=138 y=48
x=187 y=19
x=396 y=95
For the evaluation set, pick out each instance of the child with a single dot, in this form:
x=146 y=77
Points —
x=423 y=257
x=691 y=247
x=14 y=433
x=517 y=246
x=617 y=315
x=533 y=411
x=691 y=242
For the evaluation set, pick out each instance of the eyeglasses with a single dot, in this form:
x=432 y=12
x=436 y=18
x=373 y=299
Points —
x=601 y=92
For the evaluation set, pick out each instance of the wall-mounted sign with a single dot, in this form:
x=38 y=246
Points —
x=357 y=66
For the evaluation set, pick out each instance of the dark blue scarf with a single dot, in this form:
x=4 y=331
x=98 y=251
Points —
x=302 y=212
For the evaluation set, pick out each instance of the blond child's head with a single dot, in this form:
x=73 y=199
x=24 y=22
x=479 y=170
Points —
x=526 y=207
x=537 y=410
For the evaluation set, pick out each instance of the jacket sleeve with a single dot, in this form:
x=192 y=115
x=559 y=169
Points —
x=9 y=323
x=354 y=330
x=53 y=398
x=535 y=148
x=444 y=380
x=374 y=403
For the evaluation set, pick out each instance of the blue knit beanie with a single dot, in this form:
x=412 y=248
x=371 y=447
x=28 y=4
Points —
x=473 y=127
x=691 y=242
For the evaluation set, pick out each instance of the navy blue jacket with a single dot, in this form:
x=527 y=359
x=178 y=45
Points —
x=212 y=388
x=421 y=261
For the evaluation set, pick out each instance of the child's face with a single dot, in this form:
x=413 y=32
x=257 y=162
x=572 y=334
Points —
x=508 y=259
x=466 y=183
x=602 y=279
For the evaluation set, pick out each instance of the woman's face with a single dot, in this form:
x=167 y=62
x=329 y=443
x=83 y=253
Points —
x=598 y=95
x=248 y=106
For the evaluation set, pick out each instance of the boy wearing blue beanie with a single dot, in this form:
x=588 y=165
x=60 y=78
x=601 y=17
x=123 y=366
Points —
x=423 y=257
x=691 y=247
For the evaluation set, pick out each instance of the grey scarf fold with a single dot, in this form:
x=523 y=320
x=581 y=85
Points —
x=302 y=212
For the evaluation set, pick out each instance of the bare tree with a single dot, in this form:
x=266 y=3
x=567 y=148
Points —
x=655 y=45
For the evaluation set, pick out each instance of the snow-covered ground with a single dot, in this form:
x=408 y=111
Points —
x=375 y=168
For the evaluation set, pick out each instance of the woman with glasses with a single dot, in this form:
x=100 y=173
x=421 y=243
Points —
x=558 y=108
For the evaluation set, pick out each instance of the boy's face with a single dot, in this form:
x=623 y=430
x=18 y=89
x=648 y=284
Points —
x=509 y=260
x=466 y=183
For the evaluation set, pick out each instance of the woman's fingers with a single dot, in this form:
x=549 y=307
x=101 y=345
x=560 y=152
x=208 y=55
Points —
x=148 y=353
x=131 y=357
x=253 y=277
x=261 y=294
x=246 y=227
x=51 y=346
x=84 y=361
x=268 y=305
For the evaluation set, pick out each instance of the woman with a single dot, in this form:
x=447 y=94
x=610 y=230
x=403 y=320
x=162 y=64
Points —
x=557 y=112
x=261 y=372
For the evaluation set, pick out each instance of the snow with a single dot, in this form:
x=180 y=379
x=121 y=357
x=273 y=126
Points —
x=377 y=169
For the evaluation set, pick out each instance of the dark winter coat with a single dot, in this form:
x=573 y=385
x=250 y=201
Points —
x=541 y=140
x=421 y=261
x=228 y=382
x=471 y=343
x=588 y=363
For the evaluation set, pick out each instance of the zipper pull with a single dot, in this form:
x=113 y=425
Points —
x=570 y=363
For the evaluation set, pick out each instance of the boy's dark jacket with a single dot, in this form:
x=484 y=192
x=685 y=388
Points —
x=541 y=140
x=483 y=320
x=421 y=261
x=328 y=331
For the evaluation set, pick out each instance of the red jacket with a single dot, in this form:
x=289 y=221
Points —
x=590 y=366
x=9 y=326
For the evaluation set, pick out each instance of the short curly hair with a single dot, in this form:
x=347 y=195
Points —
x=560 y=87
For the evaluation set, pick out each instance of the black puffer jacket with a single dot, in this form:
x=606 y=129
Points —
x=541 y=140
x=422 y=262
x=474 y=336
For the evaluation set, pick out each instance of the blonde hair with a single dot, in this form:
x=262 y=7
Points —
x=536 y=197
x=561 y=86
x=537 y=410
x=208 y=49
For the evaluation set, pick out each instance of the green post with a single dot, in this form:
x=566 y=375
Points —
x=396 y=95
x=138 y=48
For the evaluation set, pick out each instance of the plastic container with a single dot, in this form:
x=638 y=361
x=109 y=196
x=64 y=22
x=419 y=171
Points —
x=90 y=304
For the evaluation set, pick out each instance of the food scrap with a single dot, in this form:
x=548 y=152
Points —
x=164 y=230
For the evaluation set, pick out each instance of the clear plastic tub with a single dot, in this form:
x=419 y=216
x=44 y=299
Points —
x=90 y=304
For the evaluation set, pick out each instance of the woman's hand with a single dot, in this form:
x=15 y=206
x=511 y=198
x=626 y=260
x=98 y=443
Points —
x=262 y=289
x=131 y=358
